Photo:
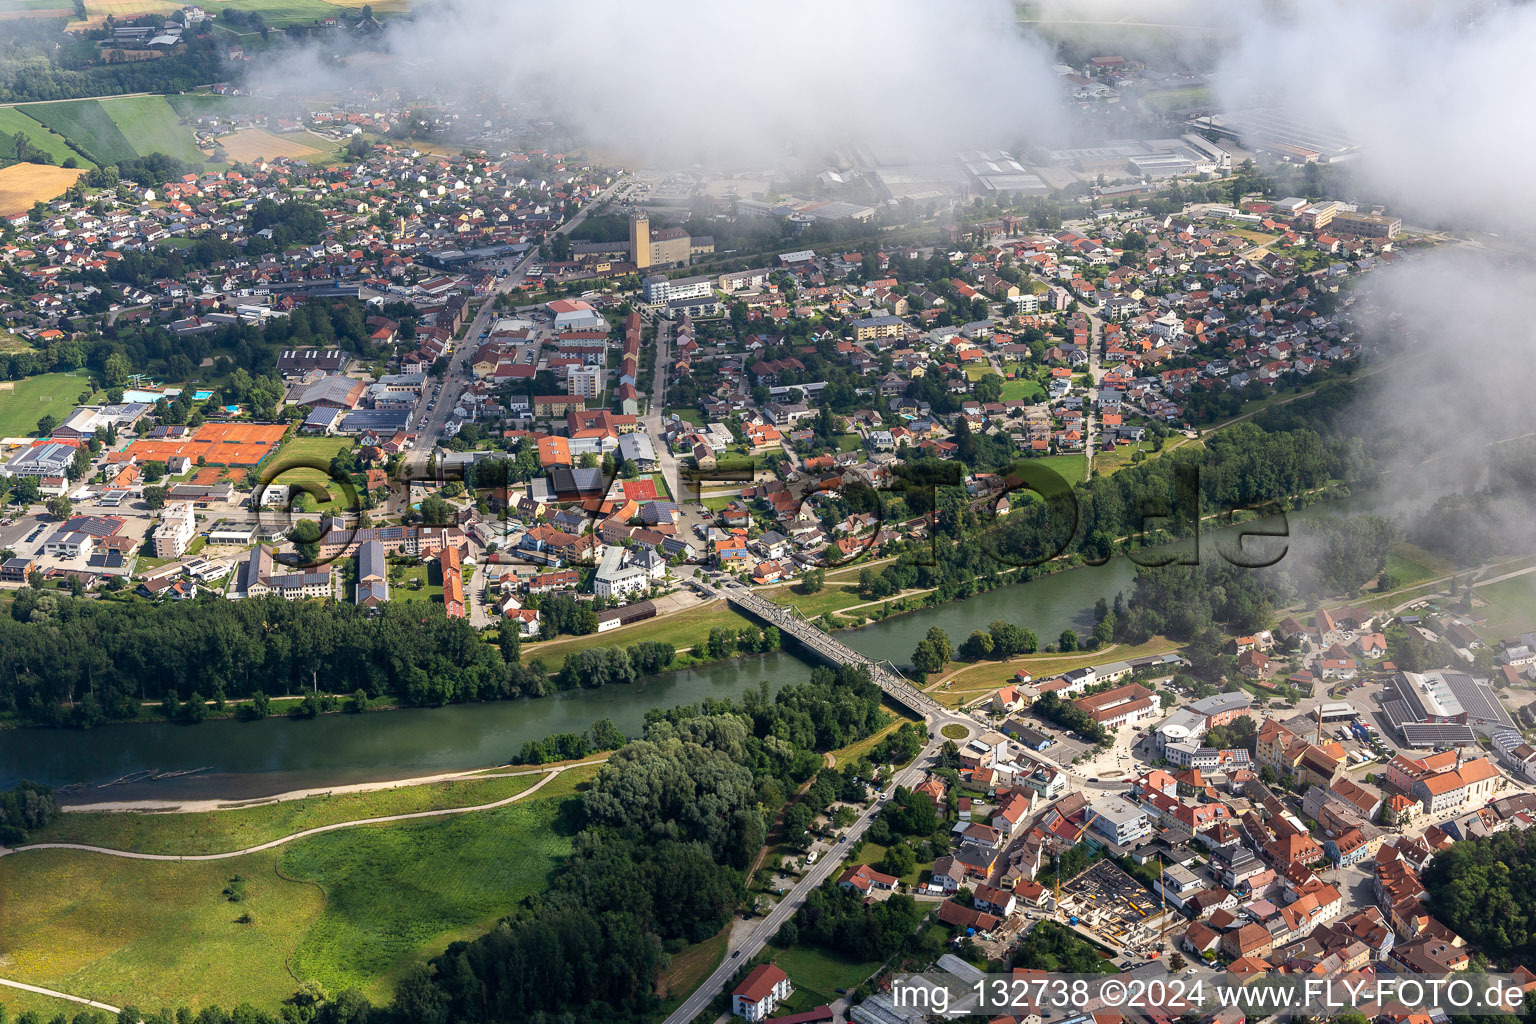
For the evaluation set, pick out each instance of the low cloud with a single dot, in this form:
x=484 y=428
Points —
x=684 y=81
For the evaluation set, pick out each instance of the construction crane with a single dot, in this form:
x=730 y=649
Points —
x=1075 y=838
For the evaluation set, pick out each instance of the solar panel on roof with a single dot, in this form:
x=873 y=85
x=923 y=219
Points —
x=1437 y=734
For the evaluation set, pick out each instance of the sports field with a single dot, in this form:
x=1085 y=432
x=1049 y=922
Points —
x=28 y=401
x=219 y=444
x=22 y=185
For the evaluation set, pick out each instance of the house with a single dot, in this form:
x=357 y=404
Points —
x=995 y=901
x=760 y=993
x=865 y=880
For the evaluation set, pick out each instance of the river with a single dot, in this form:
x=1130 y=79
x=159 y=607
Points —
x=230 y=759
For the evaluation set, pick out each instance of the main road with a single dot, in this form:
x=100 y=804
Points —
x=460 y=350
x=747 y=944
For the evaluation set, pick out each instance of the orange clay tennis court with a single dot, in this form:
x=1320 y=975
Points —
x=223 y=444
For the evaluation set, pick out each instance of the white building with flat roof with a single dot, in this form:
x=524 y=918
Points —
x=178 y=525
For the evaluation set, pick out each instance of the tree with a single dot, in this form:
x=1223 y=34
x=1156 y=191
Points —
x=154 y=497
x=976 y=646
x=59 y=507
x=899 y=860
x=989 y=388
x=941 y=644
x=797 y=820
x=306 y=536
x=1068 y=641
x=46 y=424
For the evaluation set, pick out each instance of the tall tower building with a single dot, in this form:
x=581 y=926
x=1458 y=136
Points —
x=640 y=240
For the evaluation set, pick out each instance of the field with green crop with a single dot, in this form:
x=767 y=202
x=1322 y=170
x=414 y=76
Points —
x=13 y=122
x=87 y=126
x=153 y=126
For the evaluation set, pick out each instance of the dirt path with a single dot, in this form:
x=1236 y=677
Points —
x=548 y=777
x=60 y=995
x=203 y=806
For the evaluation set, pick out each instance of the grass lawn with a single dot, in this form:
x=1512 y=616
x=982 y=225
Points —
x=688 y=968
x=118 y=930
x=1410 y=564
x=13 y=121
x=222 y=831
x=1070 y=467
x=13 y=343
x=718 y=502
x=691 y=415
x=662 y=490
x=831 y=598
x=152 y=125
x=971 y=682
x=304 y=462
x=849 y=442
x=355 y=907
x=35 y=397
x=1178 y=99
x=817 y=974
x=398 y=894
x=872 y=853
x=401 y=589
x=1014 y=390
x=87 y=126
x=860 y=748
x=681 y=629
x=954 y=732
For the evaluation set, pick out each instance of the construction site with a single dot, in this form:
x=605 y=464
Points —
x=1111 y=907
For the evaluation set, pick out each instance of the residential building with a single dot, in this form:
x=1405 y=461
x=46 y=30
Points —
x=178 y=525
x=760 y=993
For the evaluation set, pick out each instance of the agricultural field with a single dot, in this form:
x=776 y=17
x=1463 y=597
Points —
x=23 y=185
x=33 y=8
x=14 y=122
x=249 y=145
x=88 y=128
x=28 y=401
x=353 y=907
x=154 y=126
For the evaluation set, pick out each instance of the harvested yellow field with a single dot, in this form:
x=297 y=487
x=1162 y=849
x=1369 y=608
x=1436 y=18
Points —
x=96 y=11
x=21 y=185
x=251 y=144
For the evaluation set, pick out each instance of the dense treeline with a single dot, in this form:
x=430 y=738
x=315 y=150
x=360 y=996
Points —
x=42 y=62
x=24 y=809
x=671 y=821
x=65 y=661
x=1468 y=879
